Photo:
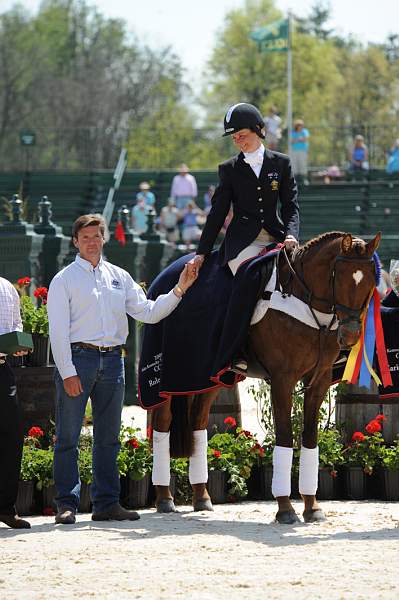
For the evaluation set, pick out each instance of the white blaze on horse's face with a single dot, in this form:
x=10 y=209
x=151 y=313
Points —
x=358 y=276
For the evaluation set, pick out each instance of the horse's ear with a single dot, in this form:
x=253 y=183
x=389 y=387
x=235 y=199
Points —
x=372 y=246
x=346 y=243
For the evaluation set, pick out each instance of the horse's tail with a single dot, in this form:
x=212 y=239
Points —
x=181 y=430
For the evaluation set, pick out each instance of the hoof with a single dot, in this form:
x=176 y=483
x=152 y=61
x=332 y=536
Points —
x=314 y=516
x=166 y=505
x=287 y=517
x=204 y=504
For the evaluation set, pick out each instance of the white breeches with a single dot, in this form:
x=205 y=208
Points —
x=252 y=250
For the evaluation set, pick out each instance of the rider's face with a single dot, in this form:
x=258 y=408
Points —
x=246 y=140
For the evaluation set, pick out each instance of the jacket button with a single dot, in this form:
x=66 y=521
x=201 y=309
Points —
x=261 y=210
x=260 y=199
x=259 y=188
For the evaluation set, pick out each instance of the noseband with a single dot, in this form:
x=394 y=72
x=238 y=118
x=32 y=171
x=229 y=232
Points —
x=352 y=320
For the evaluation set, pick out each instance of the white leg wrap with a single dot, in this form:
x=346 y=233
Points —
x=198 y=469
x=308 y=470
x=282 y=463
x=161 y=458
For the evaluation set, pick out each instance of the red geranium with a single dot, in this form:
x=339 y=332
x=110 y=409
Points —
x=41 y=292
x=24 y=281
x=247 y=434
x=230 y=421
x=133 y=443
x=373 y=427
x=334 y=474
x=380 y=418
x=35 y=432
x=357 y=437
x=217 y=453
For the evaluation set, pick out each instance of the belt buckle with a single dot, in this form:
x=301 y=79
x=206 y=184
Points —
x=102 y=349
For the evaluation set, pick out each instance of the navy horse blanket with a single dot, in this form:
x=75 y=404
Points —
x=190 y=351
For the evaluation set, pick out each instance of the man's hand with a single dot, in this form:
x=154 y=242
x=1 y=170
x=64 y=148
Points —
x=21 y=353
x=187 y=276
x=290 y=242
x=73 y=386
x=197 y=261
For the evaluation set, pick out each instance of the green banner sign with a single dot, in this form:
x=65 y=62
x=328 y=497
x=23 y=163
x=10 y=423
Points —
x=27 y=138
x=272 y=38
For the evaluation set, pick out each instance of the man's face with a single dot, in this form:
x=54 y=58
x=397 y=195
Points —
x=90 y=242
x=246 y=140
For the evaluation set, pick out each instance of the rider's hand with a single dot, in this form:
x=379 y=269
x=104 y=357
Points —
x=290 y=242
x=187 y=276
x=73 y=386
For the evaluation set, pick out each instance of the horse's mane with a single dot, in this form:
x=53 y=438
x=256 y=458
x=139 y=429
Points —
x=320 y=239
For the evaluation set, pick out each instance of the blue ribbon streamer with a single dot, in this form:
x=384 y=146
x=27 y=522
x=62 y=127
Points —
x=369 y=345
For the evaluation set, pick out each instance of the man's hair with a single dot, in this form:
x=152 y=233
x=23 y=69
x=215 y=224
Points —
x=90 y=221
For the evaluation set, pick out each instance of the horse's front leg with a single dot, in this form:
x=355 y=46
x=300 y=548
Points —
x=198 y=468
x=309 y=457
x=281 y=391
x=161 y=420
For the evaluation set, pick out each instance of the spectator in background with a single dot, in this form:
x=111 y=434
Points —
x=359 y=156
x=190 y=230
x=145 y=194
x=139 y=216
x=184 y=188
x=299 y=150
x=169 y=218
x=208 y=198
x=273 y=128
x=393 y=160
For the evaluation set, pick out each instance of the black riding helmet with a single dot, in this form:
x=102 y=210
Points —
x=243 y=116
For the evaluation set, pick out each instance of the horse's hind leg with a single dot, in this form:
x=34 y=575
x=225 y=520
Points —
x=198 y=469
x=161 y=420
x=283 y=452
x=309 y=458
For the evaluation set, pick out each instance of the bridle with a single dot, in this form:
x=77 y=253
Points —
x=352 y=320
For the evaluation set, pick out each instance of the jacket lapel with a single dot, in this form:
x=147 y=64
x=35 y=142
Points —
x=244 y=167
x=268 y=164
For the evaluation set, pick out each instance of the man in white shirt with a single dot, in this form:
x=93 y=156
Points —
x=11 y=433
x=87 y=305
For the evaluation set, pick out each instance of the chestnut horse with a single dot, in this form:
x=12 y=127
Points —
x=333 y=275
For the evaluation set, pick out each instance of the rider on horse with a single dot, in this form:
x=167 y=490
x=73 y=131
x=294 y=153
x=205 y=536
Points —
x=260 y=186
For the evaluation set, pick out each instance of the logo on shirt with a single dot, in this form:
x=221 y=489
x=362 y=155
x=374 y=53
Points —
x=116 y=284
x=274 y=185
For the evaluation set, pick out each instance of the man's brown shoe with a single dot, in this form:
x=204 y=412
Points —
x=65 y=516
x=15 y=522
x=115 y=513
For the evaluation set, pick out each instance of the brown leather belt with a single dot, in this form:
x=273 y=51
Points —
x=93 y=347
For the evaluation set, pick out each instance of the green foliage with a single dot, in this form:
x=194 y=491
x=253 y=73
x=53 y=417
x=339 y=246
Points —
x=34 y=318
x=135 y=457
x=235 y=453
x=366 y=453
x=330 y=448
x=85 y=466
x=390 y=456
x=37 y=466
x=179 y=470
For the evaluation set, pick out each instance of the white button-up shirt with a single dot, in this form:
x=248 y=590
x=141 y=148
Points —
x=255 y=159
x=89 y=304
x=10 y=316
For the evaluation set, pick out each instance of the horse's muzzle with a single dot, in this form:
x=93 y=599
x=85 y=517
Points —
x=348 y=334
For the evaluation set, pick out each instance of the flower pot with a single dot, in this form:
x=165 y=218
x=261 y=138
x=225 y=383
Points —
x=217 y=486
x=391 y=484
x=254 y=484
x=38 y=358
x=355 y=483
x=85 y=501
x=266 y=475
x=326 y=488
x=24 y=504
x=48 y=497
x=135 y=492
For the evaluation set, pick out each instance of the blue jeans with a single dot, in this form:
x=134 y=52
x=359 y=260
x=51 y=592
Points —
x=103 y=380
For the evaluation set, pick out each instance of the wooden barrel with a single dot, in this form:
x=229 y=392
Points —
x=227 y=404
x=356 y=406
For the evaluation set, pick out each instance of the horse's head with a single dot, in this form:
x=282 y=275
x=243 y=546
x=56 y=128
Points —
x=353 y=280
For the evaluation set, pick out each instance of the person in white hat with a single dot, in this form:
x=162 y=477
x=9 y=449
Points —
x=145 y=194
